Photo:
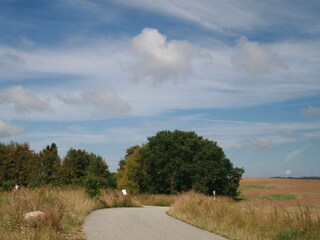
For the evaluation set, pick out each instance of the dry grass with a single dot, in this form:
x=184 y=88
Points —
x=289 y=193
x=112 y=198
x=244 y=220
x=65 y=210
x=156 y=199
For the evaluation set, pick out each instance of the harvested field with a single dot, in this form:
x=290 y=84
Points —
x=291 y=193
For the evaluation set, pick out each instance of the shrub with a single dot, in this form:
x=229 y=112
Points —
x=93 y=184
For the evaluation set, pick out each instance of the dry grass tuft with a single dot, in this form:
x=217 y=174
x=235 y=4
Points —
x=244 y=221
x=65 y=210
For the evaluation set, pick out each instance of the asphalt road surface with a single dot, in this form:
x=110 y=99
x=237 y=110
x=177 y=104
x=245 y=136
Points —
x=148 y=223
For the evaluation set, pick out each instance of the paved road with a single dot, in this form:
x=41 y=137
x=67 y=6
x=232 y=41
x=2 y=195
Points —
x=148 y=223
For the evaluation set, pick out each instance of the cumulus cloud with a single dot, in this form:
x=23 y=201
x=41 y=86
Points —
x=160 y=59
x=8 y=130
x=256 y=59
x=22 y=99
x=288 y=172
x=101 y=101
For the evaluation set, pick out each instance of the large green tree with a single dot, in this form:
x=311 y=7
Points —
x=46 y=167
x=79 y=164
x=177 y=161
x=130 y=174
x=16 y=164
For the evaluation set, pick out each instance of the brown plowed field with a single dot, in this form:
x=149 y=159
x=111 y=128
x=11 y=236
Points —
x=290 y=193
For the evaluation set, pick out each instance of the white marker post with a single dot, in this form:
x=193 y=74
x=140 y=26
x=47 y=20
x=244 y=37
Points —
x=214 y=195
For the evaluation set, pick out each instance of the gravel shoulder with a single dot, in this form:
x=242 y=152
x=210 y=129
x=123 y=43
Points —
x=140 y=224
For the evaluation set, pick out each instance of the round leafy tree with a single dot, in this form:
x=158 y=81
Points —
x=178 y=161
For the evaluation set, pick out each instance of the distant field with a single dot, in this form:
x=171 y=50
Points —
x=290 y=193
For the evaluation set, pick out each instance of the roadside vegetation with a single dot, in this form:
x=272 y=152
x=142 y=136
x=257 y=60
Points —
x=244 y=220
x=65 y=210
x=177 y=169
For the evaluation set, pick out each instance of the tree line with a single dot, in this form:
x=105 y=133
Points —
x=23 y=166
x=170 y=162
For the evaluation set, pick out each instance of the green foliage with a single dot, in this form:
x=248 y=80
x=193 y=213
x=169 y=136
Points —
x=20 y=165
x=93 y=184
x=79 y=163
x=46 y=167
x=16 y=164
x=178 y=161
x=130 y=175
x=7 y=185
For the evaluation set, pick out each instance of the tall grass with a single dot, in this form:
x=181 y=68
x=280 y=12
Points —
x=156 y=199
x=65 y=210
x=244 y=221
x=111 y=198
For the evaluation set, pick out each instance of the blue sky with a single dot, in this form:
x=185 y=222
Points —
x=103 y=75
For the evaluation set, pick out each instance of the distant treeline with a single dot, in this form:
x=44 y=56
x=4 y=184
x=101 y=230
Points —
x=23 y=166
x=305 y=178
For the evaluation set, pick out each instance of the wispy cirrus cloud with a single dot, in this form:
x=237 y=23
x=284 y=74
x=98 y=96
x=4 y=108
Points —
x=246 y=15
x=294 y=154
x=209 y=14
x=259 y=143
x=311 y=111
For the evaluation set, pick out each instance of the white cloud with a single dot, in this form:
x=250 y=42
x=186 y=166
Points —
x=292 y=155
x=231 y=17
x=160 y=59
x=22 y=99
x=256 y=59
x=288 y=172
x=8 y=130
x=108 y=64
x=214 y=15
x=101 y=101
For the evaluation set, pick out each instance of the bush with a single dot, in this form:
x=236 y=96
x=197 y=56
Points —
x=93 y=184
x=7 y=185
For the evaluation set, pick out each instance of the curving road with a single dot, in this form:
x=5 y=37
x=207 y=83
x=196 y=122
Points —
x=148 y=223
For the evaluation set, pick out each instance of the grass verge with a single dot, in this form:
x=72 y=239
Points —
x=156 y=199
x=239 y=221
x=65 y=210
